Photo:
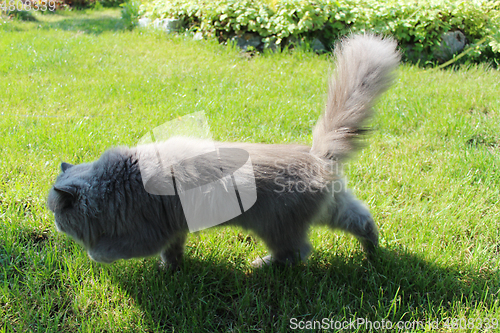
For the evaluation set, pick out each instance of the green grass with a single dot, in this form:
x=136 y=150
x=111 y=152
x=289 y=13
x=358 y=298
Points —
x=75 y=84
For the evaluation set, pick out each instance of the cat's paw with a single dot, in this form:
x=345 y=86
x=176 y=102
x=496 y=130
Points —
x=168 y=266
x=261 y=262
x=269 y=260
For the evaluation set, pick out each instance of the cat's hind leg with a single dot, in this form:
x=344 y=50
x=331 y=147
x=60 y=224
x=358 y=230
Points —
x=351 y=215
x=171 y=256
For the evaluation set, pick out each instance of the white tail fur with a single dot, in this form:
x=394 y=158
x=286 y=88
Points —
x=364 y=67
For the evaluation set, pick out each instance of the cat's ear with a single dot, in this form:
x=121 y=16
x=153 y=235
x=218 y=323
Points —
x=66 y=190
x=65 y=198
x=65 y=166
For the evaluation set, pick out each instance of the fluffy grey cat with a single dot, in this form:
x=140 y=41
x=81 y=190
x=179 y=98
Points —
x=105 y=206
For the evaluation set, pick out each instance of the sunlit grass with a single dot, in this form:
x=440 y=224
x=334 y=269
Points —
x=73 y=85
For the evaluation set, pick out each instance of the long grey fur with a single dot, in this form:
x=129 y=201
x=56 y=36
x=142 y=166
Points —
x=103 y=205
x=363 y=71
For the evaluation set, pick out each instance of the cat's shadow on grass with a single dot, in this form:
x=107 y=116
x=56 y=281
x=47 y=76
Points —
x=392 y=286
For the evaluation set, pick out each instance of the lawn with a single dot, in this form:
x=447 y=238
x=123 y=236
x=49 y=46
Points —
x=74 y=84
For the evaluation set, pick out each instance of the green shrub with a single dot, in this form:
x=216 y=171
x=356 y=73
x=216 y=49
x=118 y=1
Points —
x=130 y=13
x=22 y=15
x=417 y=25
x=80 y=4
x=111 y=3
x=84 y=4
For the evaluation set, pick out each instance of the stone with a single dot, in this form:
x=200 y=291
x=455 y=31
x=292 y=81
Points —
x=172 y=25
x=144 y=22
x=168 y=25
x=452 y=42
x=198 y=36
x=247 y=40
x=317 y=46
x=157 y=23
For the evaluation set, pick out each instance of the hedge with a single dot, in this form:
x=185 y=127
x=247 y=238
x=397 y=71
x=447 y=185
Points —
x=417 y=25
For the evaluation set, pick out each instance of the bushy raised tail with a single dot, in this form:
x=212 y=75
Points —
x=364 y=70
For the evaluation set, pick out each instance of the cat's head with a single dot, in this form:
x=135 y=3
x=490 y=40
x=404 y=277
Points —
x=74 y=203
x=98 y=204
